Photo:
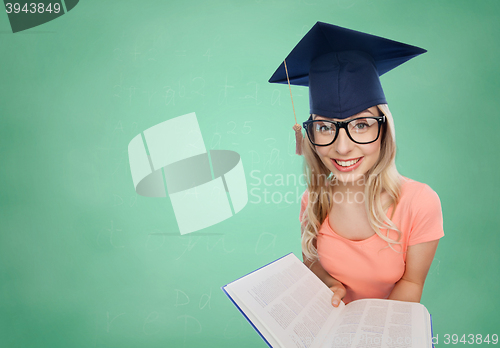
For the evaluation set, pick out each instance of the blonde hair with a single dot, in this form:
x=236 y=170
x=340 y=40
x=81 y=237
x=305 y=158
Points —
x=383 y=176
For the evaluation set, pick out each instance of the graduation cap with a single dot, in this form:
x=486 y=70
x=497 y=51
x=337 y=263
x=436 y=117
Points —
x=341 y=67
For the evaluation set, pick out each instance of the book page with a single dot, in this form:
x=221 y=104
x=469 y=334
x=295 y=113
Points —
x=373 y=323
x=289 y=301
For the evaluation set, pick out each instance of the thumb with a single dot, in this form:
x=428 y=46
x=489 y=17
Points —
x=339 y=292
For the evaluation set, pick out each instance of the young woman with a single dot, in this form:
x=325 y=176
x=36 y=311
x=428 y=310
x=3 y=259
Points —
x=353 y=238
x=367 y=231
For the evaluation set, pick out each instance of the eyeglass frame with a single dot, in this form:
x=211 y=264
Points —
x=343 y=124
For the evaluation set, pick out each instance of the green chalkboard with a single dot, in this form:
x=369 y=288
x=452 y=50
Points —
x=85 y=261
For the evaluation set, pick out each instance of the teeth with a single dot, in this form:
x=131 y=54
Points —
x=347 y=163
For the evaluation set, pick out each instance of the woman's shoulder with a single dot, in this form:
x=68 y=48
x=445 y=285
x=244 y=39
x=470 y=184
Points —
x=305 y=194
x=420 y=212
x=412 y=186
x=417 y=195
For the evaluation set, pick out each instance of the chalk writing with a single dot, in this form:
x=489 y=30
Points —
x=215 y=142
x=149 y=96
x=255 y=158
x=222 y=99
x=169 y=95
x=205 y=300
x=266 y=241
x=158 y=246
x=255 y=95
x=111 y=231
x=192 y=241
x=184 y=298
x=109 y=322
x=151 y=318
x=117 y=200
x=276 y=97
x=188 y=318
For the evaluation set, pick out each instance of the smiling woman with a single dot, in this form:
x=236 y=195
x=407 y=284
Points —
x=367 y=231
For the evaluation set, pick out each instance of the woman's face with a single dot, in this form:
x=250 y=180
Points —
x=347 y=160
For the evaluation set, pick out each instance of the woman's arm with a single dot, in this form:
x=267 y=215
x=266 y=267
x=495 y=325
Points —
x=337 y=287
x=418 y=261
x=334 y=285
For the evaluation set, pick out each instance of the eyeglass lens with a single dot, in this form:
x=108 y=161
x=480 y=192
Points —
x=362 y=130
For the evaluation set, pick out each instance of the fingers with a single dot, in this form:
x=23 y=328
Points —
x=338 y=294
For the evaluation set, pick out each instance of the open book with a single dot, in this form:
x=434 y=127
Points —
x=290 y=306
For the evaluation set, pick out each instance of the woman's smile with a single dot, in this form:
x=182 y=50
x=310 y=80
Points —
x=347 y=165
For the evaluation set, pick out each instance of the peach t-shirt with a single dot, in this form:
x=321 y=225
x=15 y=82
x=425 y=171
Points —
x=369 y=268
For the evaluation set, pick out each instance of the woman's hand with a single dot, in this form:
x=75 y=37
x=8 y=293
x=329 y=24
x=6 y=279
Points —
x=339 y=292
x=337 y=287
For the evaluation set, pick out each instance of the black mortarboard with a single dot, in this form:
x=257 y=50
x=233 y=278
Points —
x=342 y=68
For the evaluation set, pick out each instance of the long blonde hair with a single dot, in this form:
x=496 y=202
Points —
x=383 y=176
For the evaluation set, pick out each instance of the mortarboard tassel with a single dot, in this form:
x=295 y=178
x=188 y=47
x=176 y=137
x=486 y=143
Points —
x=296 y=127
x=298 y=138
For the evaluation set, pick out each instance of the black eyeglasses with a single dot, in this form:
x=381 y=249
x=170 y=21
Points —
x=361 y=130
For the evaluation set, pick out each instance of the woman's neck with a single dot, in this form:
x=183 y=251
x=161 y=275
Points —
x=349 y=193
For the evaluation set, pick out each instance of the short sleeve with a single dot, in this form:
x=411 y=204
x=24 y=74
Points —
x=303 y=205
x=427 y=224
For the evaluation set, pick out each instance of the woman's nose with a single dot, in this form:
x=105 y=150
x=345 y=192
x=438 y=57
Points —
x=343 y=145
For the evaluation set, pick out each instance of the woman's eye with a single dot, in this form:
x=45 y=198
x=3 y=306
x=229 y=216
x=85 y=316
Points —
x=323 y=128
x=362 y=125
